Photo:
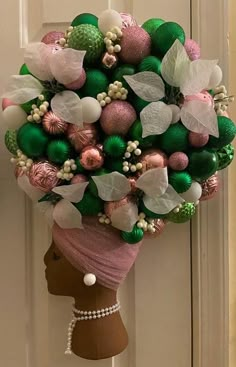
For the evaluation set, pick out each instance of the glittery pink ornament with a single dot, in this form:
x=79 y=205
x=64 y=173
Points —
x=78 y=83
x=198 y=140
x=202 y=97
x=53 y=124
x=178 y=161
x=153 y=158
x=193 y=49
x=80 y=137
x=128 y=20
x=79 y=179
x=159 y=226
x=43 y=175
x=135 y=45
x=91 y=158
x=110 y=206
x=210 y=187
x=117 y=117
x=109 y=60
x=52 y=37
x=7 y=103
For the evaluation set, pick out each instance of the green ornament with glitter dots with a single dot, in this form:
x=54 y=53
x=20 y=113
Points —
x=151 y=25
x=90 y=205
x=175 y=139
x=181 y=181
x=96 y=82
x=225 y=156
x=32 y=140
x=150 y=63
x=58 y=151
x=165 y=36
x=115 y=146
x=184 y=215
x=11 y=141
x=227 y=132
x=133 y=237
x=85 y=18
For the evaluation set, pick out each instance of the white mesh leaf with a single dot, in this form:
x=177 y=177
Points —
x=125 y=217
x=47 y=209
x=112 y=187
x=31 y=191
x=66 y=65
x=154 y=182
x=156 y=118
x=67 y=106
x=67 y=216
x=74 y=193
x=199 y=117
x=165 y=203
x=37 y=59
x=147 y=85
x=22 y=88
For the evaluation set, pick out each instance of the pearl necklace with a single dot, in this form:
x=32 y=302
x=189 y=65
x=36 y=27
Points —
x=78 y=315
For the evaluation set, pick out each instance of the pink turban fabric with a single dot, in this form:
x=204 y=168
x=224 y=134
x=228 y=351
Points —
x=97 y=249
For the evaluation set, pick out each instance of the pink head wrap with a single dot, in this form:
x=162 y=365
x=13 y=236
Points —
x=97 y=249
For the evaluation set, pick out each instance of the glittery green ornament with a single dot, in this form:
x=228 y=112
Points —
x=92 y=187
x=225 y=156
x=202 y=164
x=79 y=169
x=88 y=38
x=85 y=18
x=115 y=146
x=175 y=139
x=136 y=132
x=120 y=72
x=152 y=24
x=184 y=215
x=96 y=82
x=138 y=103
x=32 y=140
x=58 y=151
x=150 y=63
x=11 y=141
x=165 y=36
x=149 y=213
x=24 y=70
x=181 y=181
x=227 y=132
x=90 y=205
x=114 y=165
x=133 y=237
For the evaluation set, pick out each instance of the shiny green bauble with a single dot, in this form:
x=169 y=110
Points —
x=114 y=165
x=152 y=24
x=149 y=213
x=24 y=70
x=181 y=181
x=225 y=156
x=79 y=169
x=175 y=139
x=115 y=146
x=32 y=140
x=92 y=187
x=138 y=103
x=150 y=63
x=90 y=205
x=202 y=164
x=227 y=132
x=85 y=18
x=11 y=141
x=165 y=36
x=88 y=38
x=120 y=72
x=58 y=151
x=136 y=132
x=96 y=82
x=133 y=237
x=184 y=215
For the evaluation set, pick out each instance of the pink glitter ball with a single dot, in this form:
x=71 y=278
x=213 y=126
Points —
x=198 y=140
x=80 y=137
x=117 y=117
x=210 y=187
x=52 y=37
x=7 y=103
x=153 y=158
x=135 y=45
x=78 y=83
x=110 y=206
x=193 y=49
x=43 y=175
x=128 y=20
x=178 y=161
x=79 y=179
x=53 y=124
x=91 y=158
x=202 y=97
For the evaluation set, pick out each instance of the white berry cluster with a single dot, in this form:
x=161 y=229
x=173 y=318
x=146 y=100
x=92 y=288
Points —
x=22 y=161
x=38 y=112
x=115 y=91
x=132 y=152
x=63 y=42
x=66 y=172
x=103 y=99
x=177 y=209
x=103 y=219
x=221 y=99
x=147 y=224
x=112 y=40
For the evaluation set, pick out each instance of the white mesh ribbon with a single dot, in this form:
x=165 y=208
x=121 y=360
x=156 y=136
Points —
x=22 y=88
x=156 y=118
x=125 y=217
x=32 y=192
x=67 y=106
x=147 y=85
x=112 y=186
x=163 y=204
x=154 y=182
x=37 y=59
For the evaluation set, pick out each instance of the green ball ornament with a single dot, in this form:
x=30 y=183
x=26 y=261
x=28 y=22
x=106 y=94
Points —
x=92 y=187
x=96 y=82
x=184 y=215
x=115 y=165
x=115 y=146
x=90 y=205
x=151 y=25
x=24 y=70
x=85 y=18
x=150 y=63
x=136 y=132
x=227 y=132
x=225 y=156
x=138 y=103
x=181 y=181
x=133 y=237
x=149 y=213
x=58 y=151
x=88 y=38
x=32 y=140
x=175 y=139
x=202 y=164
x=165 y=36
x=120 y=72
x=11 y=141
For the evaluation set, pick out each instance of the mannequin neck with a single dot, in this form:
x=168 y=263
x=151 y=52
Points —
x=95 y=298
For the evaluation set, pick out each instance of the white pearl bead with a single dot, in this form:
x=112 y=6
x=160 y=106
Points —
x=89 y=279
x=126 y=169
x=139 y=166
x=127 y=155
x=137 y=152
x=133 y=168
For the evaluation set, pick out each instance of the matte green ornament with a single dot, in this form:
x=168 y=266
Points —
x=175 y=139
x=92 y=187
x=79 y=169
x=121 y=71
x=225 y=156
x=24 y=70
x=184 y=215
x=88 y=38
x=149 y=213
x=90 y=205
x=115 y=146
x=165 y=36
x=58 y=151
x=152 y=24
x=227 y=132
x=32 y=140
x=11 y=141
x=181 y=181
x=136 y=132
x=96 y=82
x=114 y=165
x=138 y=103
x=202 y=164
x=133 y=237
x=85 y=18
x=150 y=63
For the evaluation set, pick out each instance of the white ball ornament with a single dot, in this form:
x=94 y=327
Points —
x=14 y=117
x=91 y=109
x=216 y=77
x=175 y=113
x=108 y=20
x=90 y=279
x=193 y=194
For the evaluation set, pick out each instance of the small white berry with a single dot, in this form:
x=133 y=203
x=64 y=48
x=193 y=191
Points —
x=137 y=152
x=30 y=118
x=118 y=95
x=70 y=28
x=102 y=220
x=107 y=221
x=36 y=117
x=127 y=155
x=125 y=163
x=46 y=104
x=124 y=97
x=149 y=227
x=67 y=163
x=133 y=168
x=136 y=142
x=34 y=106
x=41 y=97
x=176 y=210
x=103 y=103
x=142 y=216
x=117 y=48
x=41 y=114
x=140 y=225
x=12 y=160
x=108 y=100
x=74 y=167
x=133 y=146
x=126 y=169
x=110 y=49
x=71 y=176
x=100 y=97
x=43 y=108
x=129 y=149
x=109 y=35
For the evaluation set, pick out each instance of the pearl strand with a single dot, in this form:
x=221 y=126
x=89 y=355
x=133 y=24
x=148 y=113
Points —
x=85 y=316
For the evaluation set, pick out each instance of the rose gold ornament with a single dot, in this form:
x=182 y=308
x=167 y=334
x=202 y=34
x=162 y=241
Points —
x=210 y=187
x=159 y=226
x=110 y=206
x=153 y=158
x=52 y=37
x=128 y=20
x=109 y=60
x=7 y=103
x=53 y=124
x=78 y=83
x=43 y=175
x=79 y=179
x=91 y=158
x=80 y=137
x=198 y=140
x=132 y=181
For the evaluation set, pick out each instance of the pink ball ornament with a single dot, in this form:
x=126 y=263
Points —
x=210 y=187
x=53 y=124
x=78 y=83
x=111 y=206
x=135 y=45
x=80 y=137
x=178 y=161
x=91 y=158
x=128 y=20
x=193 y=49
x=79 y=179
x=52 y=37
x=7 y=103
x=117 y=117
x=43 y=175
x=153 y=158
x=198 y=140
x=202 y=97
